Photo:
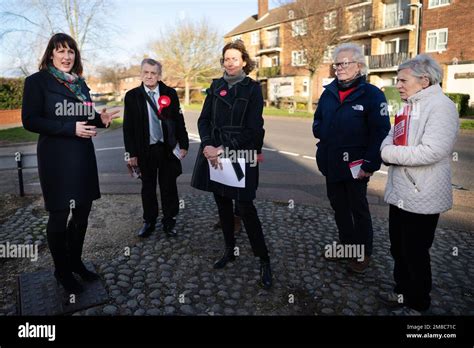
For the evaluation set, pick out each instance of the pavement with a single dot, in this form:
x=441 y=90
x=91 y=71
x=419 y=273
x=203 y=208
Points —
x=174 y=276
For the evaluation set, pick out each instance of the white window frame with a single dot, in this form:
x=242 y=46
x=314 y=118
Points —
x=291 y=14
x=436 y=34
x=255 y=38
x=298 y=58
x=236 y=37
x=305 y=85
x=330 y=20
x=438 y=3
x=328 y=52
x=299 y=27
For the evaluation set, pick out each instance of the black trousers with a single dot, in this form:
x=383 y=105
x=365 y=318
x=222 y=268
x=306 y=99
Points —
x=351 y=212
x=157 y=166
x=411 y=237
x=248 y=214
x=65 y=240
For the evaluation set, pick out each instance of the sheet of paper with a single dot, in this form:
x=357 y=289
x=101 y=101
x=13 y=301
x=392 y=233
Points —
x=177 y=152
x=355 y=167
x=227 y=175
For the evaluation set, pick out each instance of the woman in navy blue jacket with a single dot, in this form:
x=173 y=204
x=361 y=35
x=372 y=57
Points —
x=350 y=122
x=58 y=106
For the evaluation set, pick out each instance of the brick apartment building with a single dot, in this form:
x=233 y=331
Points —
x=388 y=30
x=446 y=34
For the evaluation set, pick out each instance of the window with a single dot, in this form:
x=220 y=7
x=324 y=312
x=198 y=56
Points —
x=327 y=58
x=390 y=46
x=305 y=87
x=330 y=20
x=366 y=49
x=298 y=58
x=438 y=3
x=236 y=37
x=275 y=61
x=299 y=27
x=291 y=14
x=437 y=40
x=403 y=45
x=255 y=38
x=273 y=38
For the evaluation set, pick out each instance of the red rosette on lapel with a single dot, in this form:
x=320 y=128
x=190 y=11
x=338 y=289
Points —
x=163 y=101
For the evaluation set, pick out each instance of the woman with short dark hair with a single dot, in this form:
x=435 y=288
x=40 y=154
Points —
x=58 y=106
x=231 y=121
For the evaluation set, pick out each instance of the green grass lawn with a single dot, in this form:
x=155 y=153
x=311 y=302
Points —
x=21 y=135
x=117 y=123
x=17 y=135
x=467 y=124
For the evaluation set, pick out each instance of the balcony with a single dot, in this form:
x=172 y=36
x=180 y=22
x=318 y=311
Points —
x=273 y=45
x=395 y=19
x=388 y=61
x=268 y=72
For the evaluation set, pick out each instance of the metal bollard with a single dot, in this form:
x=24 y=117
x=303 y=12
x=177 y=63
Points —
x=20 y=173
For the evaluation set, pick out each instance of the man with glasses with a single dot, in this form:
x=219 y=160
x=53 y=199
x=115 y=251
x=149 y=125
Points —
x=350 y=122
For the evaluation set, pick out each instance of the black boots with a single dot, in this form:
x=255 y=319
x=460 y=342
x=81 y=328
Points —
x=266 y=274
x=227 y=257
x=76 y=235
x=69 y=283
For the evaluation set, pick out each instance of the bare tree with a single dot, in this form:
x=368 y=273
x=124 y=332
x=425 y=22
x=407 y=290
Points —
x=189 y=50
x=113 y=76
x=27 y=25
x=317 y=25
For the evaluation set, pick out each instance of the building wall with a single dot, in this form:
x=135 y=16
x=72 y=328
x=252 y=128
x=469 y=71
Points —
x=458 y=17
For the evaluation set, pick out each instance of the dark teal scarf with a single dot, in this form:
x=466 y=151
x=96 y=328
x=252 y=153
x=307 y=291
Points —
x=72 y=81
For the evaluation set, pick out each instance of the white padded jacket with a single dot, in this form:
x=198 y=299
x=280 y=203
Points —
x=419 y=178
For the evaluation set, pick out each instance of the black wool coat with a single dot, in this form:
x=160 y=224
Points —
x=136 y=128
x=232 y=118
x=66 y=163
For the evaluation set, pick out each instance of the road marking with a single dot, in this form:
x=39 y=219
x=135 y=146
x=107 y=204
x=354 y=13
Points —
x=268 y=149
x=289 y=153
x=310 y=158
x=110 y=148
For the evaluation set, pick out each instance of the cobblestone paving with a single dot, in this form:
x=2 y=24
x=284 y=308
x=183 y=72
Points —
x=174 y=276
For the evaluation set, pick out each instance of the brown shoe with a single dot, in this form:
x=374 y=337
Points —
x=359 y=266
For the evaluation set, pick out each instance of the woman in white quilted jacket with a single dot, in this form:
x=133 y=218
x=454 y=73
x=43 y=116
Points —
x=419 y=179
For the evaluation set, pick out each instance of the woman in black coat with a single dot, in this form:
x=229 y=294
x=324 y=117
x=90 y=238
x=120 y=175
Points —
x=58 y=106
x=231 y=124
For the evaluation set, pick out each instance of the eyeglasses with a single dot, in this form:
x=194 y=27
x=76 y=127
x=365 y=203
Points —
x=343 y=65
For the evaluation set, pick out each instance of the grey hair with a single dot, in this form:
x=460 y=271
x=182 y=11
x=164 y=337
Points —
x=424 y=66
x=153 y=62
x=357 y=54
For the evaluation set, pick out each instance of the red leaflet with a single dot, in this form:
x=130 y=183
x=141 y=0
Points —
x=400 y=130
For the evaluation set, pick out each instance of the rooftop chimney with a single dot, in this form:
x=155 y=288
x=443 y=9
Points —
x=262 y=8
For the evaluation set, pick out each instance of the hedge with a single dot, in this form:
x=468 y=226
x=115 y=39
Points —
x=462 y=102
x=11 y=93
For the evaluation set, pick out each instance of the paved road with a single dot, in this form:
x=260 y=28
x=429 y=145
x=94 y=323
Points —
x=288 y=173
